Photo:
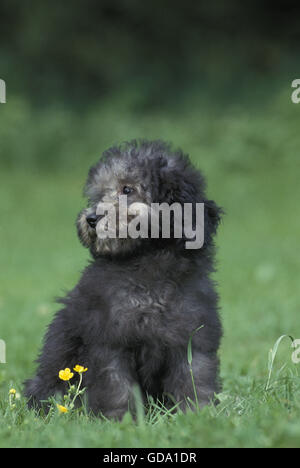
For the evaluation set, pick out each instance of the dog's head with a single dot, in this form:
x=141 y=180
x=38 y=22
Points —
x=139 y=174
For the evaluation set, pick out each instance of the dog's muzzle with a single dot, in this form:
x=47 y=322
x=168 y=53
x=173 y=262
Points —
x=92 y=220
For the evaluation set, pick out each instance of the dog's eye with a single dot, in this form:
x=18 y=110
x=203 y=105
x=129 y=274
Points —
x=127 y=190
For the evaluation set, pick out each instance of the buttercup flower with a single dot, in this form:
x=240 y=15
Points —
x=80 y=369
x=62 y=409
x=65 y=374
x=11 y=398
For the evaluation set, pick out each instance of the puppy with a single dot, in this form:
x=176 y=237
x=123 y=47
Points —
x=140 y=300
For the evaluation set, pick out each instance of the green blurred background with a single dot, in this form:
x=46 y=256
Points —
x=213 y=78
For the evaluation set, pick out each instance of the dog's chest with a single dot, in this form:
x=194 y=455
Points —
x=145 y=306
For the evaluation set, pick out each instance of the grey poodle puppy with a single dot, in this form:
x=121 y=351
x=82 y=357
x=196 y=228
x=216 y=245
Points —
x=131 y=315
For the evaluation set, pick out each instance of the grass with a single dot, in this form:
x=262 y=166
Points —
x=250 y=158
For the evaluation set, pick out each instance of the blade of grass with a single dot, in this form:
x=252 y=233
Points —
x=190 y=360
x=272 y=354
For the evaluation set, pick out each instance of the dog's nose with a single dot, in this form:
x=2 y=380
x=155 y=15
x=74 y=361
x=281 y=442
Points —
x=92 y=220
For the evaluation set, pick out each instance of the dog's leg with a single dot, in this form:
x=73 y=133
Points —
x=110 y=390
x=192 y=386
x=61 y=349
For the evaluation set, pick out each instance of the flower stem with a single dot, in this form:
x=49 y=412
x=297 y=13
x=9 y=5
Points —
x=77 y=391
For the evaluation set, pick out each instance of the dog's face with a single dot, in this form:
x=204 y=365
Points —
x=140 y=173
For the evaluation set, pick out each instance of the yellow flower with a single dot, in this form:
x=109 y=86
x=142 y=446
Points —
x=12 y=391
x=65 y=374
x=80 y=369
x=62 y=409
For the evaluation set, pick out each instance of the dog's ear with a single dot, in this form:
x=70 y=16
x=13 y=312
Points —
x=85 y=233
x=182 y=183
x=212 y=218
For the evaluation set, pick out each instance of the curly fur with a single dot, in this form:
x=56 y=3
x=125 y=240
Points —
x=130 y=317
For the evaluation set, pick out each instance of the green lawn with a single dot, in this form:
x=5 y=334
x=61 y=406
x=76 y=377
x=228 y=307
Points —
x=251 y=160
